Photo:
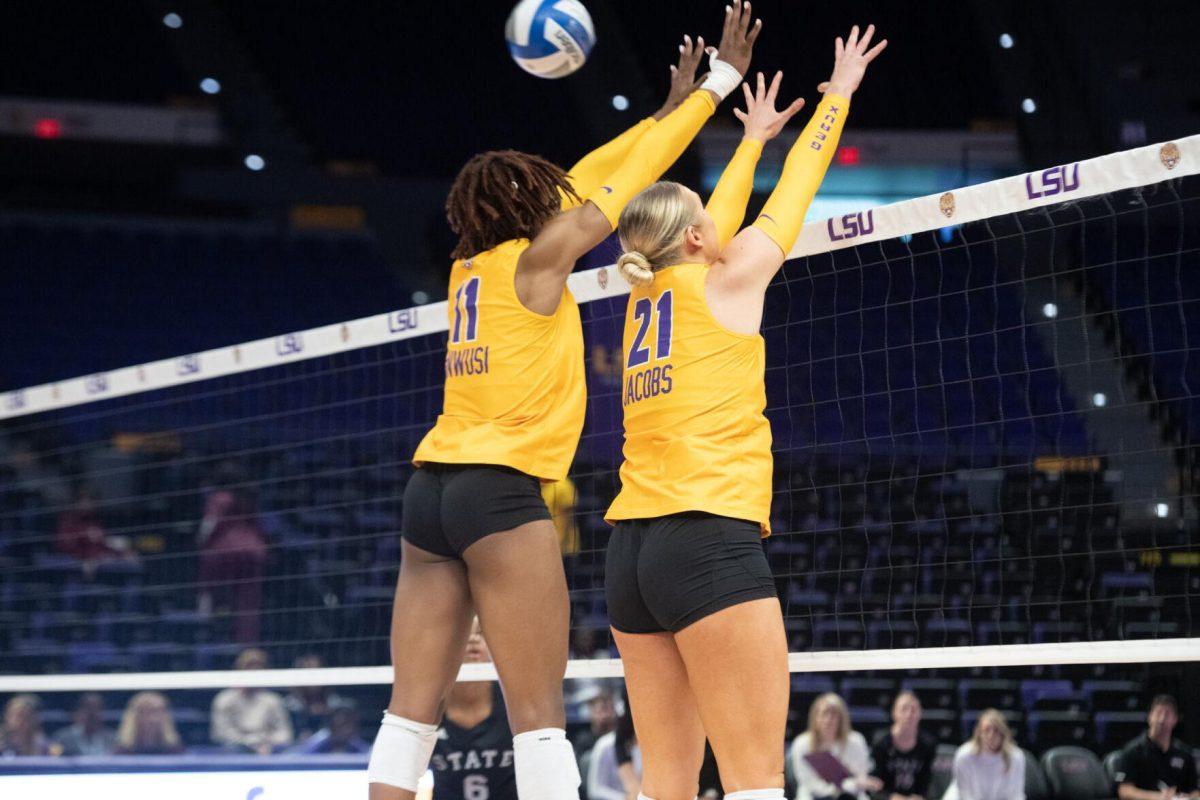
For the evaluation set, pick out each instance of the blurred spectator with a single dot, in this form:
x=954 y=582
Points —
x=990 y=766
x=31 y=476
x=147 y=728
x=21 y=734
x=1156 y=766
x=87 y=736
x=561 y=498
x=903 y=756
x=829 y=759
x=233 y=553
x=81 y=534
x=309 y=706
x=601 y=706
x=615 y=768
x=473 y=755
x=249 y=718
x=339 y=736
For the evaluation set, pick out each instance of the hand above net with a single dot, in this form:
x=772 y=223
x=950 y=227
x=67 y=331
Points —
x=738 y=37
x=760 y=119
x=683 y=75
x=850 y=62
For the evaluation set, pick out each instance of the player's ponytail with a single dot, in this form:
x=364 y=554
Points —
x=635 y=268
x=651 y=229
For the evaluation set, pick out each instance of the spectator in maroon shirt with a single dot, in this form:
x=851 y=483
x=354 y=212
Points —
x=81 y=534
x=233 y=554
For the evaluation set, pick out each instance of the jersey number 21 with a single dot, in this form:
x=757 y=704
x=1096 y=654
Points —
x=643 y=311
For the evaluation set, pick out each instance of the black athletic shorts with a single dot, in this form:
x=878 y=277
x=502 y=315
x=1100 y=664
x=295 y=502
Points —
x=665 y=573
x=449 y=507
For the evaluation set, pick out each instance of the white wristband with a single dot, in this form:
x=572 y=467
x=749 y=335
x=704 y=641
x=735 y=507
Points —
x=722 y=77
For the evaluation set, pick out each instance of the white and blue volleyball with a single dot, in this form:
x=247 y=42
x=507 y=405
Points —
x=550 y=38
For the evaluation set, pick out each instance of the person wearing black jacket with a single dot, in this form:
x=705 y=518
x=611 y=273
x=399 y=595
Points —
x=902 y=755
x=1156 y=766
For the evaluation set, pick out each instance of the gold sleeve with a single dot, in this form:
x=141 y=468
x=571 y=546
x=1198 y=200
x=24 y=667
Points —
x=783 y=214
x=727 y=204
x=653 y=154
x=591 y=170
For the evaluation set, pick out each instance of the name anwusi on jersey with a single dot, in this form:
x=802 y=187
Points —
x=471 y=361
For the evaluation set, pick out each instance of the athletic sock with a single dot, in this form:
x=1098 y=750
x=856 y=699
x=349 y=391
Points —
x=756 y=794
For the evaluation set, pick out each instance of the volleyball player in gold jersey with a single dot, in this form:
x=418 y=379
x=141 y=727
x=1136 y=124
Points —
x=690 y=595
x=477 y=536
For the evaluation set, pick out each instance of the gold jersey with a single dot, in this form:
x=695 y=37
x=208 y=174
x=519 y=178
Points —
x=693 y=393
x=515 y=390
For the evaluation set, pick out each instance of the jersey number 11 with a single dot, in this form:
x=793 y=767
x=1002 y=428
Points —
x=466 y=303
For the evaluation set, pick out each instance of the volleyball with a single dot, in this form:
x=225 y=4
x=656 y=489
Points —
x=550 y=38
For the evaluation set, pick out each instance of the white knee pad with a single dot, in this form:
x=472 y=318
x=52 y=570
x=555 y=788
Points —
x=401 y=752
x=544 y=762
x=756 y=794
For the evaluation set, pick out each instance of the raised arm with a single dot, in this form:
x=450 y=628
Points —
x=727 y=204
x=758 y=252
x=544 y=266
x=740 y=276
x=590 y=171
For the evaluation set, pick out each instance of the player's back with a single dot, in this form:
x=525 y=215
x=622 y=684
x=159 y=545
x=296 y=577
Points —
x=693 y=395
x=515 y=391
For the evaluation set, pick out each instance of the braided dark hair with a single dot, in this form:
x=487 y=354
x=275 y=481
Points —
x=502 y=195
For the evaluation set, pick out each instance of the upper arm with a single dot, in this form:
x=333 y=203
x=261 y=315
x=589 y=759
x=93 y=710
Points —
x=543 y=268
x=748 y=263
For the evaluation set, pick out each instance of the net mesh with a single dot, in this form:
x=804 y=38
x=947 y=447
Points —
x=983 y=435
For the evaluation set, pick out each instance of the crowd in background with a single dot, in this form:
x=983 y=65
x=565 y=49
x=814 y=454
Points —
x=832 y=761
x=242 y=720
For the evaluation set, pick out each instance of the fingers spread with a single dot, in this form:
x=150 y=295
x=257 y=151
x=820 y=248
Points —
x=749 y=95
x=866 y=39
x=773 y=92
x=876 y=50
x=852 y=40
x=793 y=109
x=741 y=115
x=754 y=32
x=761 y=94
x=838 y=47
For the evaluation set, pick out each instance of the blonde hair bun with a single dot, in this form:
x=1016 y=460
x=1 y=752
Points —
x=635 y=268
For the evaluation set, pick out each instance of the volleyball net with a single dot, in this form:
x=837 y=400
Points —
x=985 y=418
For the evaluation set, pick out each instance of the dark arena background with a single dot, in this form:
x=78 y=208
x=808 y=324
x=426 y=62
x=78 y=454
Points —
x=223 y=263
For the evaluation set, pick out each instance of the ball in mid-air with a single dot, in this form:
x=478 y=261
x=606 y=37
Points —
x=550 y=38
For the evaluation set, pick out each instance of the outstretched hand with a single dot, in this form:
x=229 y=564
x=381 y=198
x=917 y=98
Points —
x=683 y=76
x=850 y=62
x=761 y=120
x=738 y=36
